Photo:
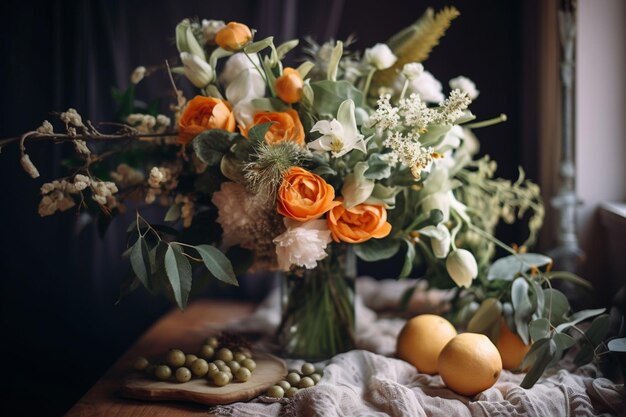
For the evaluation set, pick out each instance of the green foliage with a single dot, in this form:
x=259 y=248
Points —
x=409 y=257
x=512 y=266
x=178 y=270
x=330 y=94
x=375 y=250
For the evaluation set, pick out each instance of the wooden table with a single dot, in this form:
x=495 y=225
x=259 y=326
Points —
x=176 y=329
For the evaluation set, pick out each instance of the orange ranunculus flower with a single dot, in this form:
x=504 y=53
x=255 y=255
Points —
x=289 y=86
x=286 y=126
x=304 y=196
x=203 y=113
x=234 y=36
x=359 y=223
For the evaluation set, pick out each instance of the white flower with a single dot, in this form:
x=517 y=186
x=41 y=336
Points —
x=45 y=128
x=244 y=112
x=428 y=88
x=138 y=75
x=81 y=147
x=466 y=85
x=81 y=182
x=234 y=214
x=356 y=188
x=413 y=70
x=439 y=239
x=380 y=56
x=303 y=244
x=340 y=135
x=28 y=166
x=72 y=117
x=235 y=65
x=462 y=267
x=247 y=86
x=210 y=28
x=197 y=70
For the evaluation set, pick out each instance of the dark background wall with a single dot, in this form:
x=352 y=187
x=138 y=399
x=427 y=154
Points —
x=60 y=327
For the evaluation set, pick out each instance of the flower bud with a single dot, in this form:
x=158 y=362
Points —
x=289 y=86
x=234 y=36
x=413 y=70
x=138 y=75
x=197 y=70
x=462 y=267
x=380 y=56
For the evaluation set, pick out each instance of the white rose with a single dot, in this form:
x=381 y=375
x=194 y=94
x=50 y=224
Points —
x=244 y=112
x=235 y=65
x=413 y=70
x=380 y=56
x=303 y=244
x=197 y=70
x=462 y=267
x=427 y=86
x=466 y=85
x=247 y=86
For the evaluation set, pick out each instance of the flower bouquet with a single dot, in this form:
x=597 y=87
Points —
x=301 y=169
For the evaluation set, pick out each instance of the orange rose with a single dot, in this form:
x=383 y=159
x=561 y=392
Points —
x=289 y=86
x=359 y=223
x=304 y=196
x=234 y=36
x=286 y=126
x=203 y=113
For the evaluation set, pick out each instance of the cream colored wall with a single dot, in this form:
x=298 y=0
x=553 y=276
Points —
x=600 y=123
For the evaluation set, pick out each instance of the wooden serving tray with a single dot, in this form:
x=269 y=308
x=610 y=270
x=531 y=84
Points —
x=269 y=370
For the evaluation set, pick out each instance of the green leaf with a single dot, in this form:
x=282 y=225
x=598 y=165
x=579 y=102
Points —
x=377 y=168
x=556 y=306
x=377 y=249
x=324 y=170
x=258 y=46
x=284 y=48
x=563 y=342
x=594 y=335
x=568 y=276
x=333 y=62
x=173 y=213
x=539 y=329
x=542 y=352
x=217 y=54
x=257 y=132
x=617 y=345
x=539 y=297
x=435 y=135
x=140 y=262
x=330 y=94
x=509 y=267
x=522 y=307
x=408 y=259
x=578 y=317
x=130 y=284
x=486 y=317
x=217 y=263
x=305 y=68
x=178 y=272
x=212 y=144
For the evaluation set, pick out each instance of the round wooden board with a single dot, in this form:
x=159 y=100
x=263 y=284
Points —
x=269 y=370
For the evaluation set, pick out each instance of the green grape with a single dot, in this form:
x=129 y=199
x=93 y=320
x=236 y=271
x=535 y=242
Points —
x=276 y=391
x=212 y=370
x=308 y=369
x=163 y=372
x=183 y=374
x=224 y=354
x=239 y=357
x=189 y=358
x=175 y=358
x=212 y=341
x=284 y=384
x=291 y=392
x=207 y=352
x=141 y=364
x=200 y=367
x=219 y=362
x=243 y=374
x=293 y=378
x=316 y=378
x=249 y=363
x=306 y=382
x=221 y=378
x=233 y=365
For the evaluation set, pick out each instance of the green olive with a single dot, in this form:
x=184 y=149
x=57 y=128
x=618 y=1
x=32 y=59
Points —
x=315 y=377
x=249 y=363
x=233 y=365
x=141 y=364
x=224 y=354
x=239 y=357
x=243 y=374
x=200 y=367
x=291 y=392
x=163 y=372
x=183 y=374
x=308 y=369
x=306 y=382
x=212 y=370
x=212 y=341
x=293 y=378
x=276 y=391
x=189 y=358
x=175 y=358
x=284 y=384
x=221 y=378
x=207 y=352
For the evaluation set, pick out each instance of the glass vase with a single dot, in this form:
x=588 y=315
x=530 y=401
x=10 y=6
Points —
x=318 y=307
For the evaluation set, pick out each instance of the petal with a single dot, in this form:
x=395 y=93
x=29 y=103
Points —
x=345 y=116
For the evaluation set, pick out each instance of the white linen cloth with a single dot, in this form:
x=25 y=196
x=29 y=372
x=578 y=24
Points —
x=367 y=382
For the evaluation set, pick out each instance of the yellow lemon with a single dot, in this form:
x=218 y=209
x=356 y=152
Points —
x=470 y=364
x=511 y=347
x=422 y=339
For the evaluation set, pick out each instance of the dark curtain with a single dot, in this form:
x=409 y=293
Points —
x=60 y=327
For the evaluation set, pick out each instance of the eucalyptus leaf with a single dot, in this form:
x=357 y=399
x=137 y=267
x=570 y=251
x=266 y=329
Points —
x=257 y=132
x=544 y=355
x=211 y=145
x=522 y=307
x=617 y=345
x=173 y=213
x=556 y=306
x=217 y=263
x=511 y=266
x=324 y=170
x=539 y=329
x=578 y=317
x=330 y=94
x=568 y=276
x=178 y=272
x=594 y=335
x=407 y=267
x=378 y=168
x=377 y=249
x=140 y=262
x=539 y=298
x=563 y=342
